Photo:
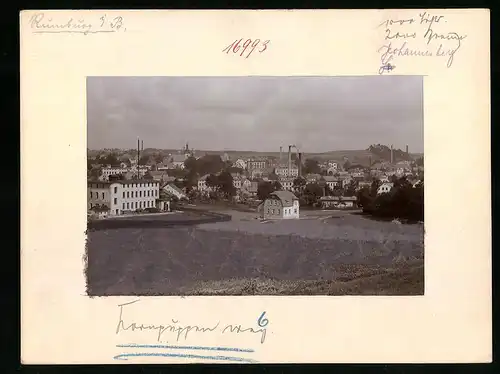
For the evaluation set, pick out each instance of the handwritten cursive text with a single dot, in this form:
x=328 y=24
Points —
x=418 y=37
x=42 y=23
x=181 y=331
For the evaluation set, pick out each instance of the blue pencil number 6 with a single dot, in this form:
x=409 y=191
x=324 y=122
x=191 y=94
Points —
x=263 y=322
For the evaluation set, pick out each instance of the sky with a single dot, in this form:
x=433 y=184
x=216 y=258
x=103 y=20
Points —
x=318 y=114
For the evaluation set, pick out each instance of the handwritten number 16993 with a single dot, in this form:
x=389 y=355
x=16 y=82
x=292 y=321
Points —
x=248 y=45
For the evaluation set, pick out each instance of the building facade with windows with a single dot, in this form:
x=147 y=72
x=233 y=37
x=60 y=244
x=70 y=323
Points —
x=256 y=164
x=283 y=172
x=123 y=196
x=106 y=172
x=281 y=205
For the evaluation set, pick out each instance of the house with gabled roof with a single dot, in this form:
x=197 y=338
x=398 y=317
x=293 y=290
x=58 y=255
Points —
x=281 y=205
x=173 y=190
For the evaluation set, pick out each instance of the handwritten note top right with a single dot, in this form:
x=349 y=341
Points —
x=425 y=35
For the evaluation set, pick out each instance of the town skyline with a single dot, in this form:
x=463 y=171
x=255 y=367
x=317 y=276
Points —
x=255 y=114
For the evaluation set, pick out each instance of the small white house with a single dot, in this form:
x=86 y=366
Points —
x=385 y=188
x=281 y=205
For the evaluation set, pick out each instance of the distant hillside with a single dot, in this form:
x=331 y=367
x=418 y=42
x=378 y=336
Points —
x=374 y=153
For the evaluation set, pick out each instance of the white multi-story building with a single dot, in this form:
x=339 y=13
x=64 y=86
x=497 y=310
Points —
x=283 y=172
x=286 y=183
x=123 y=195
x=256 y=164
x=107 y=171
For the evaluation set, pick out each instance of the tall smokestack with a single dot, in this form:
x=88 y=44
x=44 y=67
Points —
x=392 y=154
x=407 y=150
x=138 y=157
x=300 y=164
x=289 y=160
x=281 y=151
x=142 y=145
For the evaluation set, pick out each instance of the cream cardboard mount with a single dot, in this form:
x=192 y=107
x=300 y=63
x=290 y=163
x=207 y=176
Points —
x=61 y=51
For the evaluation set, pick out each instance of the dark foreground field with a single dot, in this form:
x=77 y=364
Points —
x=344 y=256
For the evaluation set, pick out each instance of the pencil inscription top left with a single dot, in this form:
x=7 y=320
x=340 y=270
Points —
x=75 y=23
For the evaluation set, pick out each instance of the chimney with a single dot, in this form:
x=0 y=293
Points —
x=407 y=150
x=289 y=160
x=392 y=155
x=300 y=164
x=138 y=157
x=281 y=151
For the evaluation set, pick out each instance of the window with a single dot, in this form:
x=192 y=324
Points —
x=136 y=193
x=267 y=211
x=272 y=211
x=116 y=189
x=103 y=195
x=295 y=210
x=128 y=206
x=136 y=205
x=128 y=194
x=91 y=194
x=115 y=200
x=279 y=211
x=140 y=193
x=123 y=206
x=90 y=205
x=123 y=194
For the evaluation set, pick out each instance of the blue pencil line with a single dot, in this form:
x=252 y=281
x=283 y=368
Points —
x=124 y=356
x=194 y=347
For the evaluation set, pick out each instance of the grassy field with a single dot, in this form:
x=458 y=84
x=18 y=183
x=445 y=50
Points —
x=321 y=254
x=406 y=278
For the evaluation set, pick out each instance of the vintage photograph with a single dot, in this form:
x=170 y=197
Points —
x=255 y=185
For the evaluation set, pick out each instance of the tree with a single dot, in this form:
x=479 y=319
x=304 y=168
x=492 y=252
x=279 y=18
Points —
x=190 y=181
x=299 y=183
x=158 y=158
x=225 y=184
x=277 y=186
x=347 y=165
x=312 y=192
x=109 y=159
x=212 y=181
x=95 y=173
x=350 y=189
x=178 y=183
x=148 y=176
x=191 y=164
x=273 y=176
x=210 y=164
x=264 y=189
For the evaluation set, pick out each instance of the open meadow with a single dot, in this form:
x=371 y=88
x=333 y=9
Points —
x=323 y=253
